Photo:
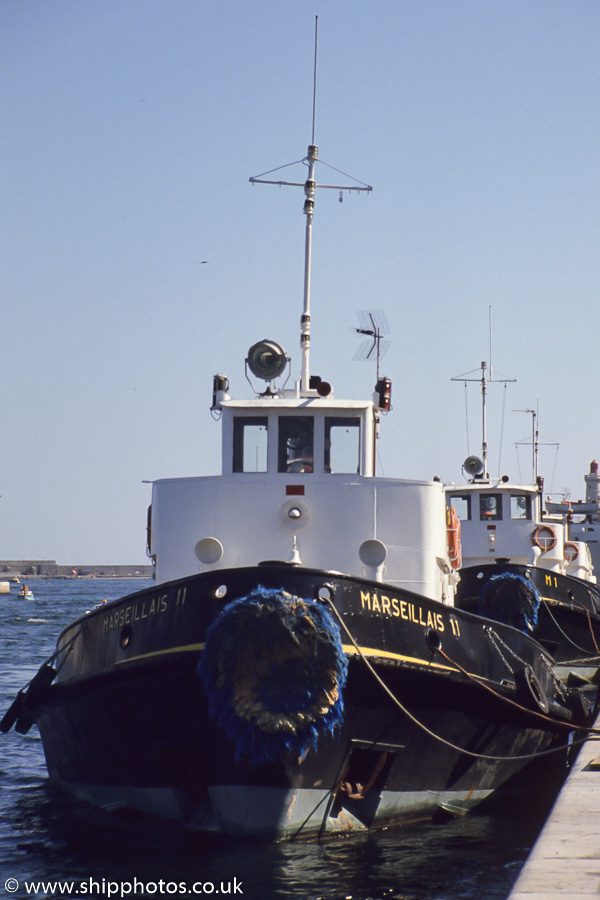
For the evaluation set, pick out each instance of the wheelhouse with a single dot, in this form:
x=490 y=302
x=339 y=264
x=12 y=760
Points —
x=307 y=437
x=500 y=521
x=491 y=505
x=297 y=485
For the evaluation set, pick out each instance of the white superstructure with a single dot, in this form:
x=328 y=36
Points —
x=503 y=521
x=297 y=485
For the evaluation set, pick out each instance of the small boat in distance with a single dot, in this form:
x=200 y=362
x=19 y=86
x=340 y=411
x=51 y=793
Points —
x=25 y=593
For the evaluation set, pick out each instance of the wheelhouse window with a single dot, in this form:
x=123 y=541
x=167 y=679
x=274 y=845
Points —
x=490 y=507
x=342 y=444
x=462 y=505
x=295 y=449
x=250 y=435
x=520 y=506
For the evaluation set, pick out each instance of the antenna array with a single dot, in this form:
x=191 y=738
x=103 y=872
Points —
x=374 y=324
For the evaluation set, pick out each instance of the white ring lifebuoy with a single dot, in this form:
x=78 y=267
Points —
x=544 y=537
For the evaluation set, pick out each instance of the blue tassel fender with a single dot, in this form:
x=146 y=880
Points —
x=510 y=599
x=273 y=670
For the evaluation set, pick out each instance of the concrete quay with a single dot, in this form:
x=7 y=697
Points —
x=565 y=860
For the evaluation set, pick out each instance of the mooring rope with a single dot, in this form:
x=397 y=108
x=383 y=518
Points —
x=570 y=725
x=438 y=737
x=564 y=633
x=589 y=618
x=586 y=660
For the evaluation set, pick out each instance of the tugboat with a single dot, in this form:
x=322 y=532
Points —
x=299 y=668
x=516 y=556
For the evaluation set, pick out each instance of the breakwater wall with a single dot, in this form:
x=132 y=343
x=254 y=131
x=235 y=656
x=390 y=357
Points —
x=49 y=568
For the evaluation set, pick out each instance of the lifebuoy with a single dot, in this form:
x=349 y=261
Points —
x=571 y=551
x=544 y=537
x=453 y=535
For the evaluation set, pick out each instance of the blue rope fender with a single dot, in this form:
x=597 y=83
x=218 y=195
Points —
x=510 y=599
x=273 y=670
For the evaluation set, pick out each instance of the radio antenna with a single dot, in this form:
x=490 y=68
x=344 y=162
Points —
x=310 y=186
x=490 y=330
x=315 y=79
x=484 y=381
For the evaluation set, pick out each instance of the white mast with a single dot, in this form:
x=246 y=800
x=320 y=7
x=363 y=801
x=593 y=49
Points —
x=536 y=441
x=484 y=380
x=309 y=204
x=310 y=186
x=483 y=420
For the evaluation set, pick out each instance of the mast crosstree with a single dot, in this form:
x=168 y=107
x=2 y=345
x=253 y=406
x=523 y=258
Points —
x=310 y=185
x=484 y=381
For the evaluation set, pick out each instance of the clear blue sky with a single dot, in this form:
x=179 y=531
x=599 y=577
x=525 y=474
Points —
x=130 y=129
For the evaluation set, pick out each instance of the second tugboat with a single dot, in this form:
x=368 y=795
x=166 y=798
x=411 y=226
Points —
x=515 y=557
x=298 y=667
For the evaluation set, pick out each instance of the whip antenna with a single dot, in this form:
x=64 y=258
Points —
x=315 y=79
x=484 y=381
x=310 y=186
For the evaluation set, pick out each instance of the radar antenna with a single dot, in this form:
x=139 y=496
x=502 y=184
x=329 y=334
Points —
x=310 y=186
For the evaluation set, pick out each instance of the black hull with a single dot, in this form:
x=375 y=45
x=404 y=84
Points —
x=569 y=614
x=126 y=722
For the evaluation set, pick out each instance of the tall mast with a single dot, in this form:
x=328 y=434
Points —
x=309 y=205
x=534 y=441
x=484 y=445
x=484 y=381
x=310 y=186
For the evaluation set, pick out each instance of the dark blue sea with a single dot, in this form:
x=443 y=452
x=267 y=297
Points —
x=51 y=845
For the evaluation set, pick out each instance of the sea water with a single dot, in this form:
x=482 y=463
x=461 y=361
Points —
x=52 y=845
